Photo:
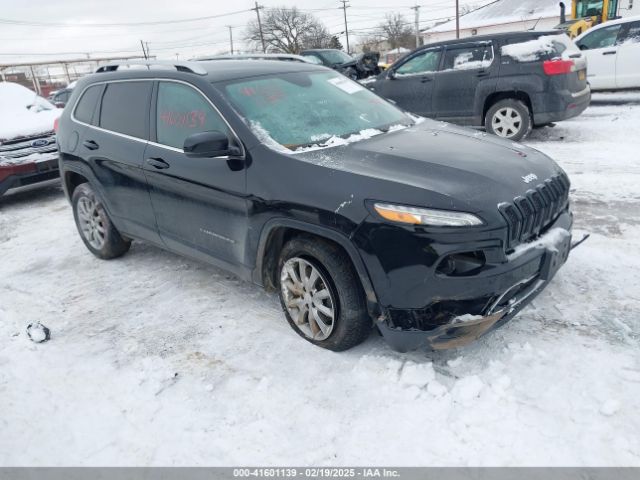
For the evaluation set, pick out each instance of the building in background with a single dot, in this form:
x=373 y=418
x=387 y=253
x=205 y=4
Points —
x=513 y=15
x=500 y=16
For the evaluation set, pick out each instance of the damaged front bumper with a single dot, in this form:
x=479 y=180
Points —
x=548 y=254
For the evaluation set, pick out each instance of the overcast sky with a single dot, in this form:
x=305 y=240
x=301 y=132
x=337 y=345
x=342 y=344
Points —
x=45 y=29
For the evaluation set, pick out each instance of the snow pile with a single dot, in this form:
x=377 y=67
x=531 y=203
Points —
x=356 y=137
x=339 y=141
x=324 y=140
x=366 y=81
x=23 y=112
x=264 y=137
x=548 y=241
x=466 y=318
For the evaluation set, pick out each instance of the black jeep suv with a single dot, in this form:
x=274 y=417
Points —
x=507 y=83
x=301 y=180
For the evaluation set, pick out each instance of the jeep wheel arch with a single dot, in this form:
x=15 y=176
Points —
x=277 y=231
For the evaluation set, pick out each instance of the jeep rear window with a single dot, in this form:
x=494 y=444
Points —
x=87 y=104
x=305 y=108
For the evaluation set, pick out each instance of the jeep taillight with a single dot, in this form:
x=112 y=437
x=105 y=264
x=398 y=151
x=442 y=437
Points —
x=558 y=67
x=56 y=123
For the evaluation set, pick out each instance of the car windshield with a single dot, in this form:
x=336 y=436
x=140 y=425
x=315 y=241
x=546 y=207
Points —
x=335 y=57
x=311 y=108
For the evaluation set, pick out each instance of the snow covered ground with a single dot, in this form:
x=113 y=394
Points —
x=158 y=360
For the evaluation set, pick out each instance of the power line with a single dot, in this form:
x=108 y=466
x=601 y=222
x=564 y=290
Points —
x=25 y=23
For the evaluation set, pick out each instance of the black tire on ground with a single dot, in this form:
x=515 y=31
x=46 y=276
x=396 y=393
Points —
x=110 y=244
x=513 y=109
x=351 y=324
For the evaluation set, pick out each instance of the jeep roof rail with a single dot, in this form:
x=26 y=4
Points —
x=189 y=67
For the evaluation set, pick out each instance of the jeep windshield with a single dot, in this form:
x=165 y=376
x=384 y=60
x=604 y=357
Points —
x=312 y=109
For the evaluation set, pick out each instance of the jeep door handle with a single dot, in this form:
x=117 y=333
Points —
x=426 y=79
x=90 y=144
x=158 y=163
x=610 y=52
x=482 y=73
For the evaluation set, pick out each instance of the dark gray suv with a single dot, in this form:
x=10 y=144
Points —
x=507 y=83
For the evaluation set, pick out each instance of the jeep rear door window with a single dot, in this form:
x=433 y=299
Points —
x=306 y=108
x=467 y=58
x=87 y=104
x=423 y=63
x=125 y=107
x=182 y=111
x=601 y=38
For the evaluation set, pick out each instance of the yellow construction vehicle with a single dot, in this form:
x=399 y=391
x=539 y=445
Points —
x=586 y=14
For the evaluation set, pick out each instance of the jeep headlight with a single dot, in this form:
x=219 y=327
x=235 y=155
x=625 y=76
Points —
x=426 y=216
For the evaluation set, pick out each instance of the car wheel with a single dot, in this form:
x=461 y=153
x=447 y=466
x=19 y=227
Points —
x=321 y=294
x=509 y=119
x=94 y=226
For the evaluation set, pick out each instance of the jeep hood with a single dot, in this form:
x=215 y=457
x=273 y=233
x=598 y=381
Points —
x=470 y=167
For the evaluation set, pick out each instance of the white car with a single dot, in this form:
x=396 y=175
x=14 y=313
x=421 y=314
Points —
x=613 y=54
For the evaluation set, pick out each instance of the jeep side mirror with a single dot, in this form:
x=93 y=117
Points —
x=208 y=144
x=392 y=74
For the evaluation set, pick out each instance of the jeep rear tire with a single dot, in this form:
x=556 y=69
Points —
x=509 y=119
x=321 y=294
x=97 y=231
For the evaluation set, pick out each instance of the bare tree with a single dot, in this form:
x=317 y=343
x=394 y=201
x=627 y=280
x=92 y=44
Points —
x=397 y=31
x=289 y=30
x=370 y=43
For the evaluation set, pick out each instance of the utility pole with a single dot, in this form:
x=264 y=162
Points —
x=417 y=19
x=230 y=37
x=346 y=28
x=457 y=18
x=144 y=52
x=257 y=9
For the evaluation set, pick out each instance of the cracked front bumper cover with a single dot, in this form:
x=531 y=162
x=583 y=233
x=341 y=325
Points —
x=454 y=335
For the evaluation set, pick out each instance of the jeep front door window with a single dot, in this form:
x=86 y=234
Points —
x=182 y=111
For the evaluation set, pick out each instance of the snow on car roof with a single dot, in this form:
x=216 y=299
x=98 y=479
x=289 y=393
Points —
x=503 y=11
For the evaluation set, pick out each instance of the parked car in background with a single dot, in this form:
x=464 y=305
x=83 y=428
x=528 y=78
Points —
x=285 y=57
x=426 y=231
x=60 y=97
x=359 y=67
x=28 y=150
x=613 y=53
x=507 y=83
